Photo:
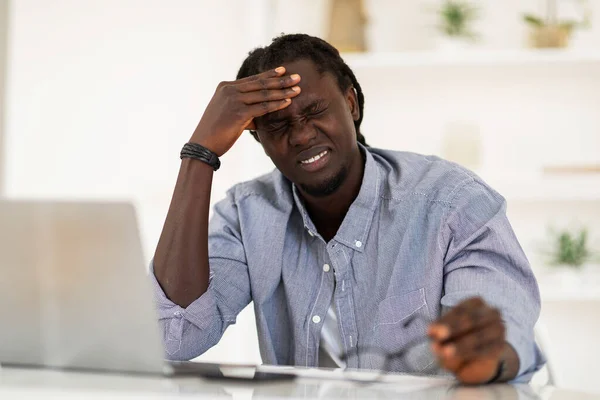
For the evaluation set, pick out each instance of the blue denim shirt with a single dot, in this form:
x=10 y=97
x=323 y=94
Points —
x=422 y=235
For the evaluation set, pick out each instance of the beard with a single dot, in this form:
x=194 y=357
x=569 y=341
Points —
x=327 y=186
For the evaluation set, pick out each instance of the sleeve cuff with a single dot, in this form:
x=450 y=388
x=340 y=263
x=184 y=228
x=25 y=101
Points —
x=531 y=359
x=166 y=308
x=202 y=312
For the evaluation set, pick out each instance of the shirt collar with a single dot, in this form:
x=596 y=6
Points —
x=354 y=230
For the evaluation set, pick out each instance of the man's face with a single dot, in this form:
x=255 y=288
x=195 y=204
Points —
x=313 y=141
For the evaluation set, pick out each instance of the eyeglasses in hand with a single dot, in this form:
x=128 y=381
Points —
x=398 y=357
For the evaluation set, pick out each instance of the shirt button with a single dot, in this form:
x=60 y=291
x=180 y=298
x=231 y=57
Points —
x=316 y=319
x=326 y=267
x=358 y=243
x=178 y=313
x=310 y=233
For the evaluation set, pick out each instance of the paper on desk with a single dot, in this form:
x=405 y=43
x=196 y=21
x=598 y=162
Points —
x=408 y=383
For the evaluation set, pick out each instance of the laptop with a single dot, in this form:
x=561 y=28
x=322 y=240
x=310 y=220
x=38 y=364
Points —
x=75 y=294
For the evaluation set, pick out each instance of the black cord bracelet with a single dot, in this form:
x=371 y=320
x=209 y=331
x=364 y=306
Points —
x=201 y=153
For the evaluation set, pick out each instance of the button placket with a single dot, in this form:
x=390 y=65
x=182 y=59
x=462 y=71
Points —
x=342 y=297
x=319 y=308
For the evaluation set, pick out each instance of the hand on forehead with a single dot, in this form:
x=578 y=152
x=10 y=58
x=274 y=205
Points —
x=316 y=87
x=311 y=78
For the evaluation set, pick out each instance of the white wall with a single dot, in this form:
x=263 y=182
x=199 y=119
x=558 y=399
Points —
x=3 y=40
x=102 y=94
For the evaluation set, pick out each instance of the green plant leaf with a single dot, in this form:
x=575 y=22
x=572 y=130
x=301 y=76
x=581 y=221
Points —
x=456 y=17
x=569 y=25
x=533 y=20
x=571 y=249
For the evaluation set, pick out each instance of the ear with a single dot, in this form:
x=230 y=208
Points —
x=255 y=134
x=257 y=137
x=352 y=101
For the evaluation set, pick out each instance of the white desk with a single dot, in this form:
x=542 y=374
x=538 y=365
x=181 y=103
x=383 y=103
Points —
x=47 y=384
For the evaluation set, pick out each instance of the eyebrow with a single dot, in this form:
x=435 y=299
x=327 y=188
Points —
x=272 y=118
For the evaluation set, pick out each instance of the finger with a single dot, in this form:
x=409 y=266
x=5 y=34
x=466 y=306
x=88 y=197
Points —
x=460 y=324
x=486 y=342
x=466 y=316
x=271 y=73
x=268 y=83
x=260 y=109
x=457 y=364
x=477 y=371
x=269 y=95
x=450 y=363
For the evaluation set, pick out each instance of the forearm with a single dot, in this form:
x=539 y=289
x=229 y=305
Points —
x=181 y=258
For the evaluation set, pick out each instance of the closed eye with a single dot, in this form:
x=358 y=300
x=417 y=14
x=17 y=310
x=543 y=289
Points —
x=317 y=109
x=276 y=127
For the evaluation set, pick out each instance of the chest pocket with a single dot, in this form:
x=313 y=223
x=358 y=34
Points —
x=390 y=335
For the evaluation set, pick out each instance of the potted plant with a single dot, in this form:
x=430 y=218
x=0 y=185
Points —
x=571 y=249
x=456 y=19
x=552 y=32
x=570 y=259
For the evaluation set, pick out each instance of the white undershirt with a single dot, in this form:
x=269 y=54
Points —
x=331 y=339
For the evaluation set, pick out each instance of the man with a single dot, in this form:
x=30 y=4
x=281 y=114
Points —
x=351 y=255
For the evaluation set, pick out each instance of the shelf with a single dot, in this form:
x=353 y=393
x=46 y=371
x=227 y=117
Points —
x=564 y=188
x=473 y=58
x=569 y=285
x=572 y=169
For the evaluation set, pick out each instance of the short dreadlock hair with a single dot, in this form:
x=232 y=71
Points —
x=289 y=48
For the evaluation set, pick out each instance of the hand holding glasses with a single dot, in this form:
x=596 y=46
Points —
x=468 y=340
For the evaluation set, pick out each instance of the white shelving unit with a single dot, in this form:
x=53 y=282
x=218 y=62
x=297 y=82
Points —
x=495 y=58
x=563 y=188
x=532 y=89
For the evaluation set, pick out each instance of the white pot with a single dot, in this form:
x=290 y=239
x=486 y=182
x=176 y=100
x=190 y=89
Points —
x=449 y=44
x=566 y=277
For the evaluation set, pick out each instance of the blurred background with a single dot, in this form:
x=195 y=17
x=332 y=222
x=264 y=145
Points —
x=98 y=96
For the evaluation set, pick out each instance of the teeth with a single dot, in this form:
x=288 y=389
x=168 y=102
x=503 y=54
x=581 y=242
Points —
x=315 y=158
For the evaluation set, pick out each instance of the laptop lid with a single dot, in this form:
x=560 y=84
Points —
x=73 y=288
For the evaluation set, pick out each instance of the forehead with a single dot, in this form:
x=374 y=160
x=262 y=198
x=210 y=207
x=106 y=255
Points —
x=315 y=86
x=311 y=78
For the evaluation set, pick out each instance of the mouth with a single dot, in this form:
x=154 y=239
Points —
x=316 y=162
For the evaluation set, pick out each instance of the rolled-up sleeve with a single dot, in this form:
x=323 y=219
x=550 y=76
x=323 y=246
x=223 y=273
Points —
x=484 y=258
x=189 y=332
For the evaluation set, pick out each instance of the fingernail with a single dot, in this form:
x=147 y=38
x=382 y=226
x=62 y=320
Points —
x=449 y=350
x=443 y=332
x=296 y=89
x=279 y=70
x=295 y=76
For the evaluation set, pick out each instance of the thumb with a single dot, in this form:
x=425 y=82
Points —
x=251 y=125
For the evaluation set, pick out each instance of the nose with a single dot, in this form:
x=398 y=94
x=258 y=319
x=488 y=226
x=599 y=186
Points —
x=302 y=134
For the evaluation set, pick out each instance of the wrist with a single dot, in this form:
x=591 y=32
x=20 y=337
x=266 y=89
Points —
x=207 y=144
x=508 y=365
x=208 y=137
x=198 y=152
